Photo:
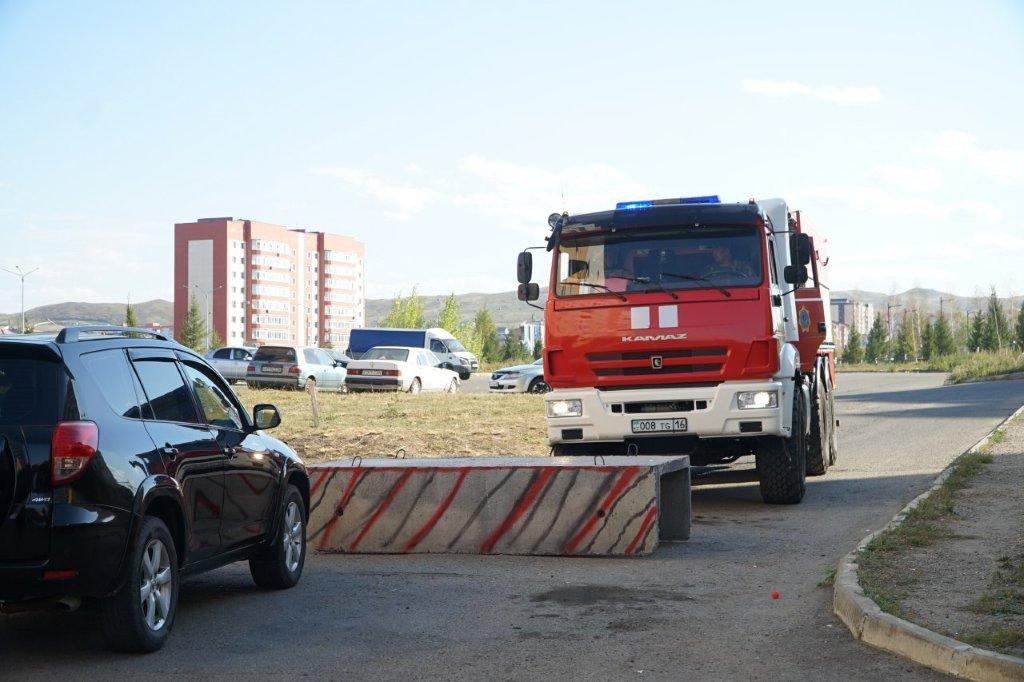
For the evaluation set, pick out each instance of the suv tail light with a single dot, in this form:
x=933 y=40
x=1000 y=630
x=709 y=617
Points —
x=71 y=449
x=294 y=369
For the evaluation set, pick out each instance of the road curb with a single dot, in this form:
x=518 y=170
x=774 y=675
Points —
x=869 y=624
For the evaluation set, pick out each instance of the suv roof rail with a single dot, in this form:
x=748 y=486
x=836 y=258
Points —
x=73 y=334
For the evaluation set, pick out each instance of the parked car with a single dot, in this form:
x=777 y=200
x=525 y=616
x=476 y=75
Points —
x=438 y=341
x=127 y=463
x=397 y=368
x=294 y=367
x=339 y=357
x=520 y=379
x=231 y=361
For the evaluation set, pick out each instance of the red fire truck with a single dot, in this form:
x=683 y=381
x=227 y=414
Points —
x=690 y=326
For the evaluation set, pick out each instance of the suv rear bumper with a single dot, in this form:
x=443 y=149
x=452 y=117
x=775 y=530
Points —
x=720 y=418
x=87 y=548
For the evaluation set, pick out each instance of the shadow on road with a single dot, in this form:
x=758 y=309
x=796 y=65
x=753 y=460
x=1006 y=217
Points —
x=941 y=402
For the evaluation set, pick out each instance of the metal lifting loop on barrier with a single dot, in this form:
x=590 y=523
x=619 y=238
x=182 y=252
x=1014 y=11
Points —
x=400 y=453
x=360 y=458
x=632 y=450
x=599 y=457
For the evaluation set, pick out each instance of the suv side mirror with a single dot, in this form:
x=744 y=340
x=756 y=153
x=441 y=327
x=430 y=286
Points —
x=266 y=416
x=801 y=250
x=795 y=275
x=524 y=267
x=528 y=291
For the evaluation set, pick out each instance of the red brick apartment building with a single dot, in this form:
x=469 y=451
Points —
x=258 y=283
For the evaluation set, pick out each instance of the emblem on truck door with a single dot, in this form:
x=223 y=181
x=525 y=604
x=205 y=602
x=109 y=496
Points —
x=656 y=362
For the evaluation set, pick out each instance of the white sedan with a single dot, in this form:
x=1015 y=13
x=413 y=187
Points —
x=399 y=368
x=520 y=379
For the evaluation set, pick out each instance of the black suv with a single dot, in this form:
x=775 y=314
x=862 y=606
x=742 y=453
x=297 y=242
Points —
x=127 y=462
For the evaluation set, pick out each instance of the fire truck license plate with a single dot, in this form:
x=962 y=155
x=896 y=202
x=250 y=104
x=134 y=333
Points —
x=658 y=425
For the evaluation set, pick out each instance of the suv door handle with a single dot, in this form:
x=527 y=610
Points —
x=170 y=451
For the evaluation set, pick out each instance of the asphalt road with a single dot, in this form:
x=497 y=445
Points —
x=698 y=609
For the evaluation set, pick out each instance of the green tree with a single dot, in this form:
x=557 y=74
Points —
x=215 y=340
x=944 y=343
x=997 y=328
x=486 y=335
x=1020 y=327
x=538 y=349
x=976 y=335
x=512 y=348
x=193 y=330
x=878 y=345
x=928 y=341
x=854 y=351
x=406 y=312
x=903 y=348
x=448 y=319
x=129 y=316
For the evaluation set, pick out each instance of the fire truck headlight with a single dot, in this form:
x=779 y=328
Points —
x=757 y=400
x=565 y=408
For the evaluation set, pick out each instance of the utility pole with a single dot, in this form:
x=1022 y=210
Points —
x=21 y=274
x=889 y=307
x=941 y=301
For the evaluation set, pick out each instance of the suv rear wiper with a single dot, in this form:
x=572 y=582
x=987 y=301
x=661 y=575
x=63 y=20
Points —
x=698 y=278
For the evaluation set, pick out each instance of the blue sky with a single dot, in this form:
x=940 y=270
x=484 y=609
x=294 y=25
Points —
x=442 y=134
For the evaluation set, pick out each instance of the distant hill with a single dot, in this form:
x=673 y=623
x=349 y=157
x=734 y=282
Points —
x=157 y=310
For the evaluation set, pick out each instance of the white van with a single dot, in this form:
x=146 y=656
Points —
x=438 y=341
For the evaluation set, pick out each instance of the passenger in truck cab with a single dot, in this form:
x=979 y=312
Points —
x=618 y=267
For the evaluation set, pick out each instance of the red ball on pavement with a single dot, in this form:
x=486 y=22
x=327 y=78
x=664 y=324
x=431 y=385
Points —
x=775 y=594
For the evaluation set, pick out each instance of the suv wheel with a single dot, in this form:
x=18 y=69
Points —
x=140 y=615
x=280 y=565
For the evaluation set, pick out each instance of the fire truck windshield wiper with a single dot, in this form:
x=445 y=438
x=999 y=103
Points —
x=601 y=286
x=698 y=278
x=656 y=284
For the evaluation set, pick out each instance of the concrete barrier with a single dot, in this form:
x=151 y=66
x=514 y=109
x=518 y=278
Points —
x=500 y=505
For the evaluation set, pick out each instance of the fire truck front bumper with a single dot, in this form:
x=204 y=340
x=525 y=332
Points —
x=727 y=410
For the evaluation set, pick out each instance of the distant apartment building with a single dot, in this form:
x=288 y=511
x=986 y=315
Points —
x=533 y=332
x=258 y=283
x=854 y=314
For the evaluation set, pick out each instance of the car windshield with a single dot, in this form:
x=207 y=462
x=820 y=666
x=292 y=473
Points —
x=454 y=345
x=667 y=258
x=274 y=354
x=397 y=354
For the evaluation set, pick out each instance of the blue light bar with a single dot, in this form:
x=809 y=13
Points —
x=632 y=205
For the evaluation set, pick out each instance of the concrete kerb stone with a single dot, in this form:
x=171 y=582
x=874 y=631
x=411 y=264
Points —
x=868 y=623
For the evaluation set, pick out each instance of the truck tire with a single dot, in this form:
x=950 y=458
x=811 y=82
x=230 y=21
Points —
x=833 y=435
x=138 y=618
x=782 y=462
x=818 y=451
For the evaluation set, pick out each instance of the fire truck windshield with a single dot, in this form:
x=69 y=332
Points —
x=665 y=258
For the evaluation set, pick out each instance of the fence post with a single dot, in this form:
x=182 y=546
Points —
x=311 y=390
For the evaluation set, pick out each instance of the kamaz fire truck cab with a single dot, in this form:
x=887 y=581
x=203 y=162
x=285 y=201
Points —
x=690 y=326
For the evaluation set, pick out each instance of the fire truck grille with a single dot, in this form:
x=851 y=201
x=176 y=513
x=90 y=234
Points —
x=654 y=407
x=667 y=362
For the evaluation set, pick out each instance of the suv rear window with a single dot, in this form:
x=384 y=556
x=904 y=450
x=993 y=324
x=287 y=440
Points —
x=275 y=354
x=28 y=392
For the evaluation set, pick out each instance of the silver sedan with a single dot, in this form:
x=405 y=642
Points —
x=520 y=379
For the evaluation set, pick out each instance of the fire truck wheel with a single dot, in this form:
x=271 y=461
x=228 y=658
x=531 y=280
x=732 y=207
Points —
x=818 y=451
x=833 y=436
x=782 y=462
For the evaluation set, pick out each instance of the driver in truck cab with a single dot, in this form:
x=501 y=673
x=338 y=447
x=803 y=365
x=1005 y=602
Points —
x=725 y=263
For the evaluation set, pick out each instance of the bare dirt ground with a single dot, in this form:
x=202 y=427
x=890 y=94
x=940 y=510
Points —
x=968 y=583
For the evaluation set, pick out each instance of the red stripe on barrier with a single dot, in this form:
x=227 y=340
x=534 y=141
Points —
x=319 y=482
x=529 y=497
x=624 y=480
x=417 y=538
x=356 y=475
x=388 y=499
x=642 y=533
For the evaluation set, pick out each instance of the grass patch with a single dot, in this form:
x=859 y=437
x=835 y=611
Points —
x=995 y=638
x=830 y=577
x=425 y=425
x=997 y=437
x=960 y=366
x=1006 y=595
x=928 y=522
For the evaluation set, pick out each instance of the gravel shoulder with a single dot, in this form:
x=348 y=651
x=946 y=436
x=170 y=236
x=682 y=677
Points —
x=961 y=572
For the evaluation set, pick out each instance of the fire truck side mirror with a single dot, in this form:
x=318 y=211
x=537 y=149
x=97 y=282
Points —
x=801 y=249
x=529 y=291
x=524 y=268
x=795 y=275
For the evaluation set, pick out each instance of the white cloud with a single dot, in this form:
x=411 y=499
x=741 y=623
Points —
x=1003 y=165
x=828 y=93
x=881 y=201
x=401 y=202
x=1001 y=241
x=907 y=178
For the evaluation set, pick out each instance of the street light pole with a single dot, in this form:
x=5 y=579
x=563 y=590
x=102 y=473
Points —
x=21 y=274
